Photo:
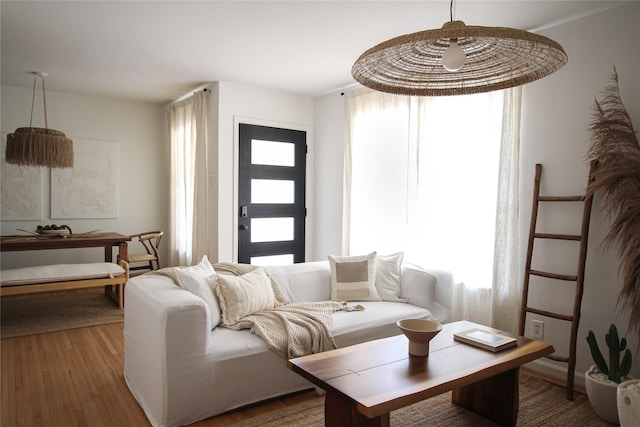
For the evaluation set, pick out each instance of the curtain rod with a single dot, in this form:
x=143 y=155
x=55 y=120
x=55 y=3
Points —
x=188 y=94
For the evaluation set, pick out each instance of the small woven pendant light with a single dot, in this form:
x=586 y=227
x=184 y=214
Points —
x=31 y=146
x=457 y=60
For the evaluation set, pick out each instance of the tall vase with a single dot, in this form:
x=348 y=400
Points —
x=629 y=403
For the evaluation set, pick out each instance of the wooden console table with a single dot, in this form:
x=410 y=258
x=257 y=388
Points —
x=365 y=382
x=95 y=240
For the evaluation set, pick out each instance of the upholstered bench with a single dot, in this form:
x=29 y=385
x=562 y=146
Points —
x=59 y=277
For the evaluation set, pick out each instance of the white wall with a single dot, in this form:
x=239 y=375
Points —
x=556 y=115
x=329 y=160
x=245 y=104
x=140 y=131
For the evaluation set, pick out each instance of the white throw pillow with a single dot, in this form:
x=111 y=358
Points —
x=240 y=296
x=353 y=278
x=388 y=272
x=195 y=279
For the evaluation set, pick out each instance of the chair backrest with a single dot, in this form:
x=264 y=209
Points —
x=151 y=242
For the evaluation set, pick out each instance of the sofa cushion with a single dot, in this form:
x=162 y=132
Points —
x=195 y=279
x=304 y=281
x=388 y=272
x=353 y=278
x=377 y=320
x=240 y=296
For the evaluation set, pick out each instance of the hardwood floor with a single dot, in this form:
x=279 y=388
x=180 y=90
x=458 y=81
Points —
x=75 y=378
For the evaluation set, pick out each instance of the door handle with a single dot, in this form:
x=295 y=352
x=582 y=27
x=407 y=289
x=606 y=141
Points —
x=243 y=227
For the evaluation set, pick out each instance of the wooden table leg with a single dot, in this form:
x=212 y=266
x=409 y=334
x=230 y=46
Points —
x=341 y=412
x=123 y=252
x=108 y=257
x=495 y=398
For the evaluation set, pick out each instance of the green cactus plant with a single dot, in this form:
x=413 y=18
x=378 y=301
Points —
x=616 y=369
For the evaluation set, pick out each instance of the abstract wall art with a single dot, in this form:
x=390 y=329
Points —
x=90 y=188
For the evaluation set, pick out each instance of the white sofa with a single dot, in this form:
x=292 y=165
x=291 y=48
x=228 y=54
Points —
x=182 y=371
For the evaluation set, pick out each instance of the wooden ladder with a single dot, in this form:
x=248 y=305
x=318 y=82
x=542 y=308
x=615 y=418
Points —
x=582 y=238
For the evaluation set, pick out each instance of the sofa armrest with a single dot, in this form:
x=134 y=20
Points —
x=165 y=328
x=428 y=288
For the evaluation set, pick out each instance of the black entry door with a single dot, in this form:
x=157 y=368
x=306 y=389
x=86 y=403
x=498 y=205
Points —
x=271 y=195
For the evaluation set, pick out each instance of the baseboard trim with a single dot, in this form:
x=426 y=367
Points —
x=554 y=373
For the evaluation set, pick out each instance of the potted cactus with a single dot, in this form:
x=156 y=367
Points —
x=603 y=378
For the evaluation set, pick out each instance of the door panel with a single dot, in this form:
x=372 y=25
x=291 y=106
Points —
x=271 y=195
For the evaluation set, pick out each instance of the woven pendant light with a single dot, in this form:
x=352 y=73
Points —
x=31 y=146
x=458 y=59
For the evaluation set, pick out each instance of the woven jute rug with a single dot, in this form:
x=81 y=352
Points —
x=541 y=404
x=56 y=311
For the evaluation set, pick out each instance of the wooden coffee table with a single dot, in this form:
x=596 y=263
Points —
x=365 y=382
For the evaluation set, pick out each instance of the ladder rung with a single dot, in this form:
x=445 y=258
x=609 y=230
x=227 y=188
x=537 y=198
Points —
x=554 y=275
x=558 y=236
x=557 y=358
x=561 y=198
x=549 y=314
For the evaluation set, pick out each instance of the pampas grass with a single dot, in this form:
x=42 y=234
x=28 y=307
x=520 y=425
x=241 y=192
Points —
x=614 y=145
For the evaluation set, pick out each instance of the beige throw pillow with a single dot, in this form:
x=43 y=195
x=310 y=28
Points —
x=240 y=296
x=353 y=278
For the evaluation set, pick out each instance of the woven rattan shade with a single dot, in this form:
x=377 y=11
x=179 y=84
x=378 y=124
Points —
x=496 y=58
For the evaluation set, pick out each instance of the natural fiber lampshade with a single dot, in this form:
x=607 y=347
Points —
x=39 y=147
x=496 y=58
x=31 y=146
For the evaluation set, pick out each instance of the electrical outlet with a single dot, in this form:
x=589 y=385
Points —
x=537 y=329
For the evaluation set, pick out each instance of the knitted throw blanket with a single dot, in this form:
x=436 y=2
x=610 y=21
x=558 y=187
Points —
x=290 y=329
x=293 y=330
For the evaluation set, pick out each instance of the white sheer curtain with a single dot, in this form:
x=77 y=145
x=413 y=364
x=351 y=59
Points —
x=507 y=286
x=189 y=231
x=421 y=176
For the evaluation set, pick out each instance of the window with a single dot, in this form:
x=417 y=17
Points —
x=423 y=179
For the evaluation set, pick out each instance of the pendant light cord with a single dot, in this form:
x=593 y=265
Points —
x=33 y=98
x=44 y=100
x=451 y=11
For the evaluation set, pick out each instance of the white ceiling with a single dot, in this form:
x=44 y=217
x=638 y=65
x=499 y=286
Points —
x=157 y=51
